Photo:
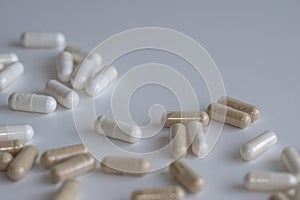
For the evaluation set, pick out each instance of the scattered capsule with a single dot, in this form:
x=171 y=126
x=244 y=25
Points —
x=79 y=55
x=68 y=190
x=55 y=156
x=30 y=102
x=82 y=74
x=258 y=145
x=11 y=146
x=72 y=167
x=290 y=159
x=253 y=111
x=1 y=66
x=22 y=132
x=166 y=193
x=22 y=163
x=117 y=129
x=269 y=181
x=197 y=137
x=279 y=196
x=8 y=58
x=5 y=160
x=9 y=74
x=178 y=137
x=65 y=66
x=42 y=39
x=184 y=117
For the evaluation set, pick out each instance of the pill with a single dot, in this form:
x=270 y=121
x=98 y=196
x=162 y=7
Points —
x=269 y=181
x=68 y=190
x=72 y=167
x=197 y=138
x=258 y=145
x=79 y=55
x=11 y=146
x=30 y=102
x=101 y=81
x=178 y=143
x=290 y=159
x=8 y=58
x=54 y=156
x=253 y=111
x=126 y=166
x=184 y=117
x=279 y=196
x=117 y=129
x=9 y=74
x=82 y=74
x=63 y=95
x=186 y=176
x=22 y=132
x=42 y=39
x=22 y=163
x=164 y=193
x=64 y=66
x=5 y=160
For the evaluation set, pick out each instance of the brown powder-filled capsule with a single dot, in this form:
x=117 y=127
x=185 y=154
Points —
x=223 y=113
x=127 y=166
x=186 y=176
x=167 y=193
x=184 y=117
x=68 y=190
x=179 y=140
x=22 y=163
x=11 y=146
x=72 y=167
x=5 y=160
x=55 y=156
x=252 y=110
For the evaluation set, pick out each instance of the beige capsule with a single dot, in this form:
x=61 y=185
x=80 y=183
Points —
x=72 y=167
x=184 y=117
x=127 y=166
x=278 y=196
x=223 y=113
x=166 y=193
x=186 y=176
x=178 y=143
x=22 y=163
x=12 y=146
x=55 y=156
x=68 y=190
x=5 y=160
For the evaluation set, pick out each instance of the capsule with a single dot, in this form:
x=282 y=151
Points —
x=72 y=167
x=82 y=74
x=290 y=159
x=258 y=145
x=22 y=132
x=11 y=146
x=126 y=166
x=9 y=74
x=252 y=111
x=1 y=66
x=184 y=117
x=8 y=58
x=197 y=137
x=116 y=129
x=166 y=193
x=279 y=196
x=178 y=137
x=30 y=102
x=101 y=81
x=79 y=55
x=68 y=190
x=55 y=156
x=22 y=163
x=42 y=39
x=5 y=160
x=64 y=66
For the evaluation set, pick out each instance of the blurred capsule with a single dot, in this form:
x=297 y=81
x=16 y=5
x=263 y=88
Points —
x=42 y=39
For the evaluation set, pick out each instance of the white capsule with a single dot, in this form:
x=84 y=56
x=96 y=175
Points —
x=258 y=145
x=269 y=181
x=101 y=80
x=64 y=66
x=79 y=55
x=290 y=159
x=42 y=39
x=63 y=95
x=22 y=132
x=9 y=74
x=116 y=129
x=197 y=137
x=82 y=74
x=8 y=58
x=30 y=102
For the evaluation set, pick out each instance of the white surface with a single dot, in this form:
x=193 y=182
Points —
x=255 y=45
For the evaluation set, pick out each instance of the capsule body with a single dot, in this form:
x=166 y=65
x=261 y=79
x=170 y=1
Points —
x=22 y=132
x=8 y=58
x=184 y=117
x=68 y=190
x=290 y=159
x=5 y=160
x=116 y=129
x=167 y=193
x=197 y=137
x=279 y=196
x=178 y=143
x=79 y=55
x=9 y=74
x=30 y=102
x=82 y=74
x=258 y=145
x=11 y=146
x=64 y=66
x=42 y=39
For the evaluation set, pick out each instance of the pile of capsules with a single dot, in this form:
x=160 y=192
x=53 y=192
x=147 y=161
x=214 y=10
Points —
x=187 y=129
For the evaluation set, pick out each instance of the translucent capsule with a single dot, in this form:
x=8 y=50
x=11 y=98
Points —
x=127 y=166
x=79 y=55
x=72 y=167
x=184 y=117
x=166 y=193
x=8 y=58
x=290 y=159
x=68 y=190
x=186 y=176
x=22 y=163
x=253 y=111
x=101 y=81
x=42 y=39
x=63 y=95
x=9 y=74
x=117 y=129
x=65 y=66
x=279 y=196
x=22 y=132
x=5 y=160
x=55 y=156
x=269 y=181
x=258 y=145
x=197 y=137
x=30 y=102
x=178 y=143
x=11 y=146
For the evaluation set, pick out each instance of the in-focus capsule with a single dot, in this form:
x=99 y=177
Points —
x=68 y=190
x=178 y=143
x=167 y=193
x=42 y=39
x=9 y=74
x=22 y=132
x=82 y=74
x=11 y=146
x=279 y=196
x=64 y=66
x=79 y=55
x=197 y=137
x=117 y=129
x=184 y=117
x=290 y=159
x=8 y=58
x=5 y=160
x=30 y=102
